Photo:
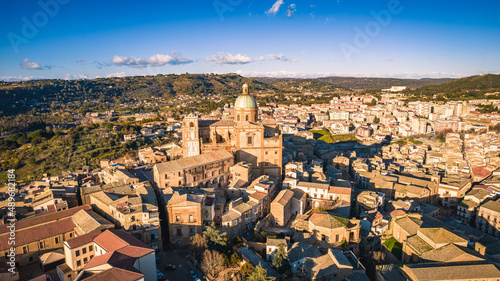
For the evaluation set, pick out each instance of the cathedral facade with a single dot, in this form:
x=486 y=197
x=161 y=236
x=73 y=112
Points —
x=258 y=142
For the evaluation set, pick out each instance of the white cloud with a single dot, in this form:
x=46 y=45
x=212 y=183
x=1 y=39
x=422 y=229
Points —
x=28 y=64
x=74 y=76
x=290 y=11
x=18 y=78
x=156 y=60
x=228 y=58
x=275 y=8
x=273 y=57
x=117 y=74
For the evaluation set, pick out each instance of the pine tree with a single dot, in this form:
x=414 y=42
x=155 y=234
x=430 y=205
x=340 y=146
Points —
x=280 y=257
x=260 y=274
x=215 y=236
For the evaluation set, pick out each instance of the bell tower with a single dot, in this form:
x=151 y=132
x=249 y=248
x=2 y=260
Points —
x=190 y=136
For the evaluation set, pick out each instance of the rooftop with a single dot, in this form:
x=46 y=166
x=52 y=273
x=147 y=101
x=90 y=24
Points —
x=193 y=161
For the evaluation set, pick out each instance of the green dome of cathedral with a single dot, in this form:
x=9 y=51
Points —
x=245 y=100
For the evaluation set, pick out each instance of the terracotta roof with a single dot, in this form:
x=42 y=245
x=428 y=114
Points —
x=82 y=239
x=114 y=239
x=428 y=272
x=116 y=273
x=313 y=185
x=411 y=226
x=38 y=232
x=339 y=190
x=283 y=197
x=45 y=218
x=328 y=221
x=52 y=257
x=492 y=205
x=88 y=221
x=258 y=195
x=452 y=253
x=441 y=235
x=110 y=258
x=198 y=160
x=481 y=171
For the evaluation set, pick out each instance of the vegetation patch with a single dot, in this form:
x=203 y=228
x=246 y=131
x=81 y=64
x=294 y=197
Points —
x=394 y=247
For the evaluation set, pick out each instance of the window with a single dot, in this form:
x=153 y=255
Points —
x=77 y=253
x=191 y=219
x=25 y=249
x=246 y=117
x=91 y=256
x=84 y=251
x=78 y=263
x=90 y=248
x=41 y=244
x=31 y=259
x=249 y=140
x=238 y=118
x=85 y=260
x=177 y=218
x=70 y=235
x=191 y=230
x=57 y=240
x=179 y=232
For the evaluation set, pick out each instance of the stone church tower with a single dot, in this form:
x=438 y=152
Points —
x=191 y=136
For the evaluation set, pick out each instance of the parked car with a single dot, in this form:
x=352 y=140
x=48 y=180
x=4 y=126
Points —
x=170 y=267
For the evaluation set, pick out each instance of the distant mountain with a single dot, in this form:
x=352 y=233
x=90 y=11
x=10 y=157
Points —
x=473 y=87
x=356 y=82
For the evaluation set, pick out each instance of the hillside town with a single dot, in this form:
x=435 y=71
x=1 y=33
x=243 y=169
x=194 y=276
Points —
x=365 y=187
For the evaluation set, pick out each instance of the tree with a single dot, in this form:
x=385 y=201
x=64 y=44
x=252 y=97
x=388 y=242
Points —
x=260 y=274
x=235 y=260
x=198 y=245
x=214 y=236
x=212 y=262
x=280 y=258
x=247 y=269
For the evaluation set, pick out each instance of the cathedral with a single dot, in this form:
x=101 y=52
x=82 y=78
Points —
x=258 y=142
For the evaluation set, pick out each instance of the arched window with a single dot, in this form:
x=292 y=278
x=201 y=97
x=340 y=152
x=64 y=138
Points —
x=191 y=125
x=238 y=118
x=246 y=117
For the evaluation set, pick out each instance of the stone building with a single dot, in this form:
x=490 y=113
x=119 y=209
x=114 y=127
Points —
x=129 y=212
x=258 y=142
x=334 y=230
x=206 y=170
x=184 y=211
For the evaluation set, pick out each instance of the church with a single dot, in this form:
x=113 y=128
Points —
x=258 y=142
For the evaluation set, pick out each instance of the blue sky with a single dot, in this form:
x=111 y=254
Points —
x=410 y=39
